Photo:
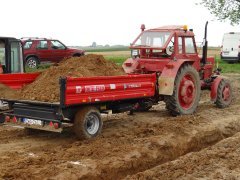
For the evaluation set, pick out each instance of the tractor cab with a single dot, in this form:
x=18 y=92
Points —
x=11 y=56
x=153 y=49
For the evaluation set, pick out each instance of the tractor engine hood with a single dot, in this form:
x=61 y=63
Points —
x=143 y=65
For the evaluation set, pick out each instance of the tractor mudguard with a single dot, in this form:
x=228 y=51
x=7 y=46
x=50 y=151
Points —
x=214 y=88
x=168 y=75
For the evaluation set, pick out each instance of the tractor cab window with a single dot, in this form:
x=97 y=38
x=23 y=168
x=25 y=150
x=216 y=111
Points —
x=180 y=45
x=189 y=46
x=16 y=57
x=170 y=47
x=152 y=39
x=57 y=45
x=2 y=53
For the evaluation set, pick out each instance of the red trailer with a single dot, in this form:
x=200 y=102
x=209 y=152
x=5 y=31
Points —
x=81 y=102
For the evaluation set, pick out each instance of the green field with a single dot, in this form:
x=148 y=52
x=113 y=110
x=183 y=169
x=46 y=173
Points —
x=226 y=67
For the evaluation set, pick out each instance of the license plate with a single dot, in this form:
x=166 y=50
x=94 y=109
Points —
x=32 y=121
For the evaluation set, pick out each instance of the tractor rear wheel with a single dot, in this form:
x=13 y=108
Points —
x=224 y=94
x=87 y=123
x=186 y=93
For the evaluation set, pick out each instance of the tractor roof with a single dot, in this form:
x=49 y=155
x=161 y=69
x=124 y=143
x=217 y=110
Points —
x=169 y=28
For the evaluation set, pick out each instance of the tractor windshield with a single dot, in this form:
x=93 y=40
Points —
x=152 y=39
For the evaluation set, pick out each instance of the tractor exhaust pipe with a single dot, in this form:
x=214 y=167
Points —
x=205 y=46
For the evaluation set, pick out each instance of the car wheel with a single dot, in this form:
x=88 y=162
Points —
x=32 y=62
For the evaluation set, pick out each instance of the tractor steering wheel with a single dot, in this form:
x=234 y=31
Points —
x=171 y=48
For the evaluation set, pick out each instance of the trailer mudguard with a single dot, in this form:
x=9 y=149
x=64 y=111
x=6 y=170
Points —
x=168 y=75
x=214 y=88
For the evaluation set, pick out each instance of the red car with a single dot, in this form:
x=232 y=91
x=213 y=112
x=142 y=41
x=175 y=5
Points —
x=38 y=50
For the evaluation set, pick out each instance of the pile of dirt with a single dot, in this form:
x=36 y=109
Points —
x=46 y=86
x=7 y=92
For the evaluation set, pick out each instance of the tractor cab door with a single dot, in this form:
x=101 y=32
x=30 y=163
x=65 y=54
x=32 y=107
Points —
x=15 y=61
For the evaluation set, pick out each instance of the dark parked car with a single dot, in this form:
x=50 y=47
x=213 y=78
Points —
x=38 y=50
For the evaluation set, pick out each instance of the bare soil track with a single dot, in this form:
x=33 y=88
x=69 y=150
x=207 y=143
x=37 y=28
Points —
x=151 y=145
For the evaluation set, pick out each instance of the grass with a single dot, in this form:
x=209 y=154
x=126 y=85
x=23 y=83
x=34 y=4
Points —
x=40 y=68
x=116 y=59
x=226 y=67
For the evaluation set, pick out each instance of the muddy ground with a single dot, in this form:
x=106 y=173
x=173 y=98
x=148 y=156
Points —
x=149 y=145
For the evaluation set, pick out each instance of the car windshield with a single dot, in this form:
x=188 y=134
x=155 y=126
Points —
x=152 y=39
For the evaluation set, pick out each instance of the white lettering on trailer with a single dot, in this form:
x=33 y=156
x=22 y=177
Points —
x=132 y=86
x=95 y=88
x=78 y=89
x=112 y=86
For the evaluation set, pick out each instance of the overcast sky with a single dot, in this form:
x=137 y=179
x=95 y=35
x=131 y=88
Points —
x=80 y=22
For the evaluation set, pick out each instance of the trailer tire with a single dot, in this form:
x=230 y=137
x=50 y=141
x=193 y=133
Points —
x=2 y=118
x=224 y=94
x=144 y=106
x=87 y=123
x=186 y=93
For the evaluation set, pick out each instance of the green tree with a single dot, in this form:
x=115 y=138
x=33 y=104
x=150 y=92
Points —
x=224 y=9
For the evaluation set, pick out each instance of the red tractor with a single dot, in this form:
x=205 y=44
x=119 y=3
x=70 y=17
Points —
x=171 y=52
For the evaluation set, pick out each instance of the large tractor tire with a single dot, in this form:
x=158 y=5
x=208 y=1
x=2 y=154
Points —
x=186 y=93
x=224 y=94
x=87 y=123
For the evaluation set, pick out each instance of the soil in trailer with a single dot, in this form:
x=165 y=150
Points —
x=46 y=87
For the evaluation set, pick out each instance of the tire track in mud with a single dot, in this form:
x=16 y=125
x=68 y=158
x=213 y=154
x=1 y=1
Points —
x=157 y=151
x=220 y=161
x=120 y=154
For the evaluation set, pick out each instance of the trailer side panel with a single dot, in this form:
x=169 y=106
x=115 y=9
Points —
x=112 y=88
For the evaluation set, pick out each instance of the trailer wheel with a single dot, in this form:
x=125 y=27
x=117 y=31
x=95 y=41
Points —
x=144 y=106
x=224 y=94
x=2 y=118
x=87 y=123
x=186 y=93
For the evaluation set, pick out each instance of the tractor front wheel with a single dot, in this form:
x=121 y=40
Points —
x=87 y=123
x=224 y=94
x=186 y=93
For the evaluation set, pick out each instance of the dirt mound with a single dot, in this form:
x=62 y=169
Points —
x=46 y=86
x=7 y=92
